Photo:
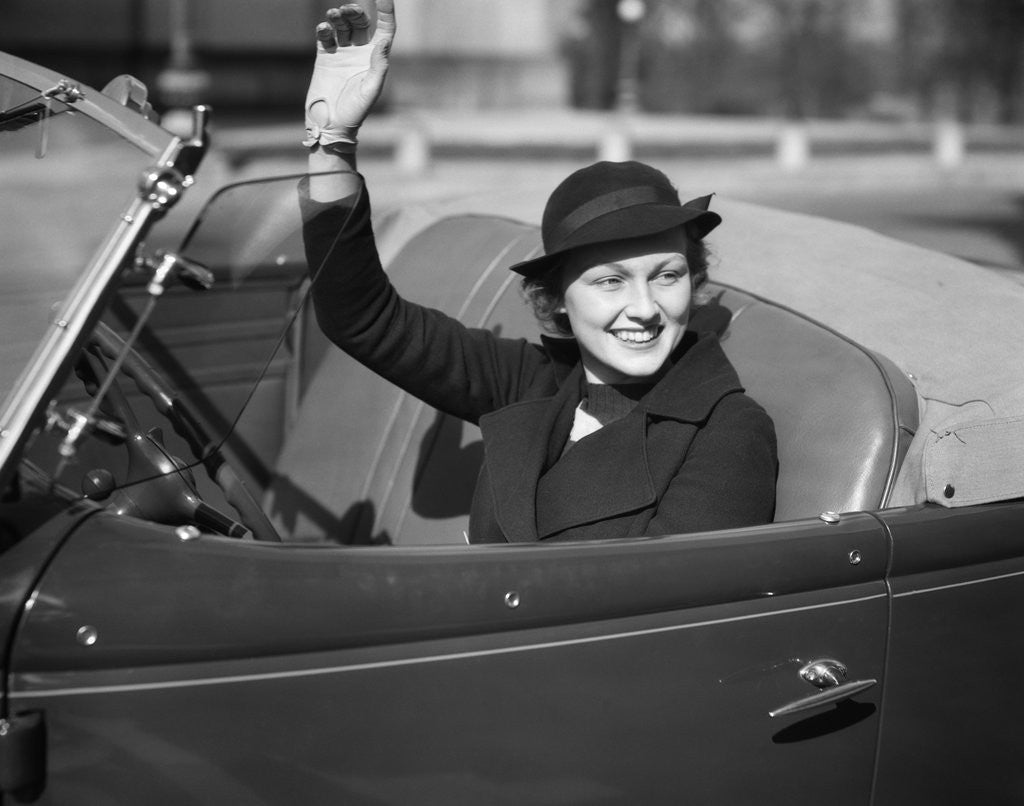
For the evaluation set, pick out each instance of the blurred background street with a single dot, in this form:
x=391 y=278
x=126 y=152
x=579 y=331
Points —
x=904 y=116
x=974 y=210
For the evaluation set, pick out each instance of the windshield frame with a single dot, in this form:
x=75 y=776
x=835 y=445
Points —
x=144 y=134
x=78 y=313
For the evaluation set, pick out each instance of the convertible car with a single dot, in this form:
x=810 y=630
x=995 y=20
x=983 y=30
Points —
x=233 y=564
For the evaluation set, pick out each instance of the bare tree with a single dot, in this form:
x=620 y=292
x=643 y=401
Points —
x=972 y=48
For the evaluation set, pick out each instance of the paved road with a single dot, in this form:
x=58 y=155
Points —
x=981 y=224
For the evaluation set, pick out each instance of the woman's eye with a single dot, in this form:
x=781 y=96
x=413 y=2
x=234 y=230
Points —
x=667 y=277
x=609 y=282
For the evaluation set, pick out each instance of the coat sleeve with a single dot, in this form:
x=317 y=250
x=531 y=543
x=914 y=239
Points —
x=727 y=479
x=462 y=371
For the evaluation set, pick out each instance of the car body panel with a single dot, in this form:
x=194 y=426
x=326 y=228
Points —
x=348 y=650
x=951 y=711
x=46 y=527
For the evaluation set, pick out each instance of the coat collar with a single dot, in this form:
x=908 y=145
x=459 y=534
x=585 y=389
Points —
x=698 y=378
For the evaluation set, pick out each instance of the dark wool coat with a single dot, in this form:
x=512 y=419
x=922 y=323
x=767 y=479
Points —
x=695 y=454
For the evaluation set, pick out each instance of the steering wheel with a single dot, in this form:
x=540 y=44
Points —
x=159 y=486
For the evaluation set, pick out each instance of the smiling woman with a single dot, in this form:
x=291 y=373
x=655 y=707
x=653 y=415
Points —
x=632 y=423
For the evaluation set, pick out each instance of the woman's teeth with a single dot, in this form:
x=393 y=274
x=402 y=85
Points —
x=636 y=336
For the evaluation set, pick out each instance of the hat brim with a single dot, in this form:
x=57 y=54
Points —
x=621 y=225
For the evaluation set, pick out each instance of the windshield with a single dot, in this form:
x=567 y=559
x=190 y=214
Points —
x=65 y=180
x=212 y=378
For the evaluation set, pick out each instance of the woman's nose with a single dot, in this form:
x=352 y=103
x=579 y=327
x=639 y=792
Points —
x=642 y=305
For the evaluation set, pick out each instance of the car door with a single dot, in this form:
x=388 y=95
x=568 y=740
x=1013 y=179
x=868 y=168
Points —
x=171 y=670
x=951 y=711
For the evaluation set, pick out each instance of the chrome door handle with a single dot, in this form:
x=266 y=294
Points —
x=829 y=676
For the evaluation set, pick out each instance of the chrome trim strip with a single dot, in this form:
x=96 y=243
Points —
x=359 y=667
x=963 y=584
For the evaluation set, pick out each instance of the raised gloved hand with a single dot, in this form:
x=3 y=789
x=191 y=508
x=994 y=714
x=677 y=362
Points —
x=348 y=74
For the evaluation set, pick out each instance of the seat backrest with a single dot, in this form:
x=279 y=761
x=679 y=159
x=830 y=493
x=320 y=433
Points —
x=844 y=417
x=365 y=462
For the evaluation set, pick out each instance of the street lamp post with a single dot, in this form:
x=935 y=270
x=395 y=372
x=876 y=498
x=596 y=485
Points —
x=631 y=13
x=181 y=83
x=617 y=141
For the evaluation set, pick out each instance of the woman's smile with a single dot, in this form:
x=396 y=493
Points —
x=638 y=337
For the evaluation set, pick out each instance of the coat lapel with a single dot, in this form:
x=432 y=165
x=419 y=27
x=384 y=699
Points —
x=518 y=442
x=602 y=476
x=700 y=377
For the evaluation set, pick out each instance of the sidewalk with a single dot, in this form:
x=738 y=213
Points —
x=415 y=139
x=437 y=155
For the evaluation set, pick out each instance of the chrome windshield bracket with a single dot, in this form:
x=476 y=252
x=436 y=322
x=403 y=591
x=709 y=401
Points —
x=168 y=265
x=163 y=184
x=64 y=91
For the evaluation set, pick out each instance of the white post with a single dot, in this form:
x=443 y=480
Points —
x=412 y=150
x=615 y=144
x=181 y=83
x=948 y=147
x=793 y=147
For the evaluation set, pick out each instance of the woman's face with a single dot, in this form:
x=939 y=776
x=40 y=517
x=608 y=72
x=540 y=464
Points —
x=628 y=303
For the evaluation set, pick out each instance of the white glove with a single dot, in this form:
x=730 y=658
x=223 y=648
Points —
x=348 y=74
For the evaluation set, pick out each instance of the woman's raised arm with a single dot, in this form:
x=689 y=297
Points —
x=352 y=60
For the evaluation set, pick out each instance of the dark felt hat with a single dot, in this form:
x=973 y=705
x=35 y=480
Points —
x=609 y=201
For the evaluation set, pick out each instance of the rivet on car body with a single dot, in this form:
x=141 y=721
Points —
x=855 y=557
x=829 y=517
x=187 y=533
x=949 y=491
x=512 y=600
x=87 y=635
